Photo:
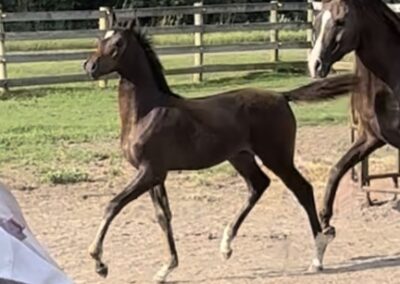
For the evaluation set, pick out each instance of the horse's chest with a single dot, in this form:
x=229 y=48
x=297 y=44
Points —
x=132 y=150
x=141 y=141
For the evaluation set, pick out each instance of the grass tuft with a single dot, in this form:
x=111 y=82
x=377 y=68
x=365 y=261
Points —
x=66 y=176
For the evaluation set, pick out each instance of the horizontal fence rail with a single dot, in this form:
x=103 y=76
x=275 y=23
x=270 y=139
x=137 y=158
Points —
x=47 y=80
x=79 y=55
x=73 y=34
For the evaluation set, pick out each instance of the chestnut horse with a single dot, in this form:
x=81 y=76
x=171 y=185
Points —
x=162 y=131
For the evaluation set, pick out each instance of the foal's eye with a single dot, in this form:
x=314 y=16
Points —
x=118 y=43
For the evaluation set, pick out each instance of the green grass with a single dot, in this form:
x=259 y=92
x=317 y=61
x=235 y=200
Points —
x=65 y=176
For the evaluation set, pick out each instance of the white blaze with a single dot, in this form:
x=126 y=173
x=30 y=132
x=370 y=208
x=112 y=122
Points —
x=109 y=34
x=316 y=51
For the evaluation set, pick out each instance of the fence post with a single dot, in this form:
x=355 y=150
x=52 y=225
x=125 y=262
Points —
x=198 y=42
x=103 y=26
x=310 y=20
x=3 y=63
x=274 y=34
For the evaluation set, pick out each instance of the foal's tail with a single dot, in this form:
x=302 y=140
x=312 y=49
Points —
x=324 y=89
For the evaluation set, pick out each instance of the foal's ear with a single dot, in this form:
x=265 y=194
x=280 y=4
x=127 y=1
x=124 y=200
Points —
x=133 y=23
x=113 y=19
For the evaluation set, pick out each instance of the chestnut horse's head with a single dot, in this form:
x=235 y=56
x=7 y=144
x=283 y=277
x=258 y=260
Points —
x=337 y=33
x=110 y=52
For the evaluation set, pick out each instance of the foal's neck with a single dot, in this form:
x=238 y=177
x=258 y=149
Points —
x=138 y=89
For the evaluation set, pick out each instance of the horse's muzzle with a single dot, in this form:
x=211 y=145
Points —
x=322 y=69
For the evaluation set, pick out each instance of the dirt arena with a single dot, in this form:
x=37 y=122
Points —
x=273 y=246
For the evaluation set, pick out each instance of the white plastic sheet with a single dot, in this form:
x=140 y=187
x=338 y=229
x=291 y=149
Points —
x=22 y=258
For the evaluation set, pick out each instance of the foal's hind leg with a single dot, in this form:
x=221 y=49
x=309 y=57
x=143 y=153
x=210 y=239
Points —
x=163 y=213
x=303 y=191
x=257 y=182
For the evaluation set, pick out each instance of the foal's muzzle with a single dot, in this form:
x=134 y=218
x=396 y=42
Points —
x=91 y=67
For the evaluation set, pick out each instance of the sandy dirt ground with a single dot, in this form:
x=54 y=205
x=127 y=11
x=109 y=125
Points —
x=273 y=246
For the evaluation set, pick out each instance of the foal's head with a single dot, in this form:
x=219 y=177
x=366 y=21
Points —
x=111 y=54
x=337 y=33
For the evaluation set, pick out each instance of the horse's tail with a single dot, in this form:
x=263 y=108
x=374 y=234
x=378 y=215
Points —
x=324 y=89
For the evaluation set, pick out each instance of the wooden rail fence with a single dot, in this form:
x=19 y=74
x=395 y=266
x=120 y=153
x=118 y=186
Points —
x=198 y=49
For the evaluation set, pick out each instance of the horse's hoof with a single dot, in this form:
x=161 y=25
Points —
x=102 y=270
x=226 y=254
x=159 y=278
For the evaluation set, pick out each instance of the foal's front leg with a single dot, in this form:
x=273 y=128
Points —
x=144 y=180
x=163 y=214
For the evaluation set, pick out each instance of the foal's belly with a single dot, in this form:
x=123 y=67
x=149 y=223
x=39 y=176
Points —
x=204 y=152
x=173 y=155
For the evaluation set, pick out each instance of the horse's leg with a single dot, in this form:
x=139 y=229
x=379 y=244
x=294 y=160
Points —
x=303 y=191
x=358 y=151
x=257 y=182
x=144 y=180
x=163 y=214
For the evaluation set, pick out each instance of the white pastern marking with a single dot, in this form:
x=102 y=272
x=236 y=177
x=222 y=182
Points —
x=226 y=241
x=316 y=262
x=316 y=51
x=162 y=274
x=109 y=34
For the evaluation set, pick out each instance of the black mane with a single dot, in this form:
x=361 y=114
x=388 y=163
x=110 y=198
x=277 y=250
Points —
x=380 y=9
x=155 y=64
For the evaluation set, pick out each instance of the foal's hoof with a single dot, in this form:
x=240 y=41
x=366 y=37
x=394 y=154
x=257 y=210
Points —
x=158 y=278
x=315 y=268
x=162 y=274
x=226 y=254
x=102 y=270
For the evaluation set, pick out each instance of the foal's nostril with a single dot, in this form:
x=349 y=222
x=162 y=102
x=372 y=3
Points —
x=93 y=67
x=318 y=65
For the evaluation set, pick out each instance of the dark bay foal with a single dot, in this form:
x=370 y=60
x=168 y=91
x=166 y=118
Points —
x=162 y=132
